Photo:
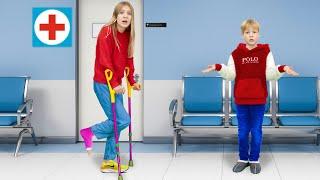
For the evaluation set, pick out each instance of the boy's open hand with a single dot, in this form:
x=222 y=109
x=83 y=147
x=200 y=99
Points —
x=210 y=68
x=290 y=71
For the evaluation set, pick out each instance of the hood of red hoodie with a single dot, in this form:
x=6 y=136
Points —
x=260 y=47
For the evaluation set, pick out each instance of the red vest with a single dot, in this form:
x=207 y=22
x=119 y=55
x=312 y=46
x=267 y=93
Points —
x=250 y=82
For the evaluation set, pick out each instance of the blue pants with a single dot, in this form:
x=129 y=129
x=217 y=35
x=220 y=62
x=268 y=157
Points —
x=105 y=128
x=250 y=119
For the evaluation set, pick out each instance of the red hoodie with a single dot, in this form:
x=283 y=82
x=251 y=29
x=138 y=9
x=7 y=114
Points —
x=250 y=67
x=109 y=56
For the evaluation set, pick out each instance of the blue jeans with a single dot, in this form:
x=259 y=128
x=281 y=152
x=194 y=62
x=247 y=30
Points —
x=250 y=119
x=105 y=128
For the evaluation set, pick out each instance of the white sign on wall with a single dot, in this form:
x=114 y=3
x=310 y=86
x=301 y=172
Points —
x=96 y=27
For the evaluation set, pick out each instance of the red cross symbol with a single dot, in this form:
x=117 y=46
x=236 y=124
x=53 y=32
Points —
x=52 y=27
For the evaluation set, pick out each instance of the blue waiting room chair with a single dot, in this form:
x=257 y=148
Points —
x=208 y=104
x=202 y=106
x=298 y=104
x=15 y=108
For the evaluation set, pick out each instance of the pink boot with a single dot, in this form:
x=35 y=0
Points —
x=87 y=135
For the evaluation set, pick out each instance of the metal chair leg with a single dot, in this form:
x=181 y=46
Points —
x=33 y=136
x=174 y=143
x=179 y=138
x=22 y=132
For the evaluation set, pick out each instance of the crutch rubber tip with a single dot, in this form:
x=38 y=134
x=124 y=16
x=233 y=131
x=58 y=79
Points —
x=120 y=177
x=131 y=163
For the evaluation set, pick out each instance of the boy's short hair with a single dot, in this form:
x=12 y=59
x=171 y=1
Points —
x=249 y=23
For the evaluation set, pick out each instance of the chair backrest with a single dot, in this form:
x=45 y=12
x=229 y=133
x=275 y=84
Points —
x=203 y=94
x=12 y=93
x=233 y=105
x=297 y=94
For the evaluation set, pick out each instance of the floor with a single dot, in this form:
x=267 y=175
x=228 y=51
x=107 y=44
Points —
x=154 y=162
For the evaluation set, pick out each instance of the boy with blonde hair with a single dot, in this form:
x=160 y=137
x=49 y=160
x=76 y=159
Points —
x=250 y=65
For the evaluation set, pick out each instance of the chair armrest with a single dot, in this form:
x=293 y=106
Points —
x=173 y=111
x=28 y=106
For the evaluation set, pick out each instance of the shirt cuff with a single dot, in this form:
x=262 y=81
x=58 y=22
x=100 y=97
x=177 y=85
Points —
x=218 y=67
x=281 y=68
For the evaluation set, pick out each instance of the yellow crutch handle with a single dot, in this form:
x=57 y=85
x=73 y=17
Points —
x=127 y=70
x=108 y=73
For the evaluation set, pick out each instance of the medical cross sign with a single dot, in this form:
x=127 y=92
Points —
x=52 y=27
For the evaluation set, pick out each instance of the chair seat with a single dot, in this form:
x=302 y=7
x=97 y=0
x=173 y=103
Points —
x=266 y=121
x=201 y=121
x=299 y=121
x=8 y=120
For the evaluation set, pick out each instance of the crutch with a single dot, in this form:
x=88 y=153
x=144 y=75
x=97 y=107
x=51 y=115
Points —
x=109 y=74
x=127 y=71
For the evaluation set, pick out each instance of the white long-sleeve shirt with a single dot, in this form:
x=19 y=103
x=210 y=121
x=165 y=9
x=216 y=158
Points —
x=228 y=71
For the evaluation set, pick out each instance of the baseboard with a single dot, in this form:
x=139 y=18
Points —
x=157 y=140
x=267 y=139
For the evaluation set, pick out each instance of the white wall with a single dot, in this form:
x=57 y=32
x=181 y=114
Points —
x=157 y=97
x=53 y=109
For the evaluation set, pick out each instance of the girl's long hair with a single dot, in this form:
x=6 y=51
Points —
x=113 y=24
